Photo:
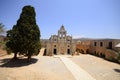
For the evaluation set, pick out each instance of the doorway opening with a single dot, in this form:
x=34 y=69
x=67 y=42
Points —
x=68 y=51
x=110 y=45
x=55 y=51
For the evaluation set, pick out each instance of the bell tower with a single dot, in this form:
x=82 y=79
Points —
x=62 y=32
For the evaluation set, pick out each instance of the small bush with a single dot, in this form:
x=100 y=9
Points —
x=112 y=59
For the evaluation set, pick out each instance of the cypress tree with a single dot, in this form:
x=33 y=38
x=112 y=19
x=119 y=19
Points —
x=24 y=38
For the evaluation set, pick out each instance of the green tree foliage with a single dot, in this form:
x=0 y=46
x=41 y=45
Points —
x=24 y=38
x=2 y=29
x=118 y=57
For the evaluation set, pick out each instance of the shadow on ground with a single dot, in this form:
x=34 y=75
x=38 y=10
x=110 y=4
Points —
x=8 y=62
x=117 y=70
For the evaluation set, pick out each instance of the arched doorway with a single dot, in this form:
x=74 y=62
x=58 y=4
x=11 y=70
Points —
x=68 y=51
x=55 y=51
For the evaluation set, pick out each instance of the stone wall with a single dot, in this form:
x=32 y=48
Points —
x=100 y=47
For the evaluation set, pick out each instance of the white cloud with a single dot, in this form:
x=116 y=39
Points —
x=78 y=36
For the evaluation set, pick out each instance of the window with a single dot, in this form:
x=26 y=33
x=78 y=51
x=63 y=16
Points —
x=68 y=46
x=95 y=43
x=101 y=44
x=110 y=45
x=60 y=35
x=54 y=45
x=68 y=41
x=54 y=39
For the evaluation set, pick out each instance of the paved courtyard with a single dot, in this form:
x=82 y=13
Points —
x=97 y=67
x=55 y=68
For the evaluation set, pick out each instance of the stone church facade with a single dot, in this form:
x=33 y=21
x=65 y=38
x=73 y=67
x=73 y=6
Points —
x=63 y=44
x=59 y=44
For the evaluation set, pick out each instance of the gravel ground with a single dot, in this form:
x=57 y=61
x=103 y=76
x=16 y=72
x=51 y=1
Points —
x=45 y=68
x=52 y=68
x=99 y=68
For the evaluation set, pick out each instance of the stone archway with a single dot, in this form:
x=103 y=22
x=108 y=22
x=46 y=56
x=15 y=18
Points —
x=68 y=51
x=55 y=51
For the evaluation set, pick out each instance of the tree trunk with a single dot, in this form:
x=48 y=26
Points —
x=29 y=58
x=15 y=56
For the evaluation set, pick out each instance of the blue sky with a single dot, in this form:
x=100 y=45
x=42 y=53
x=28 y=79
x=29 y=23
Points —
x=81 y=18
